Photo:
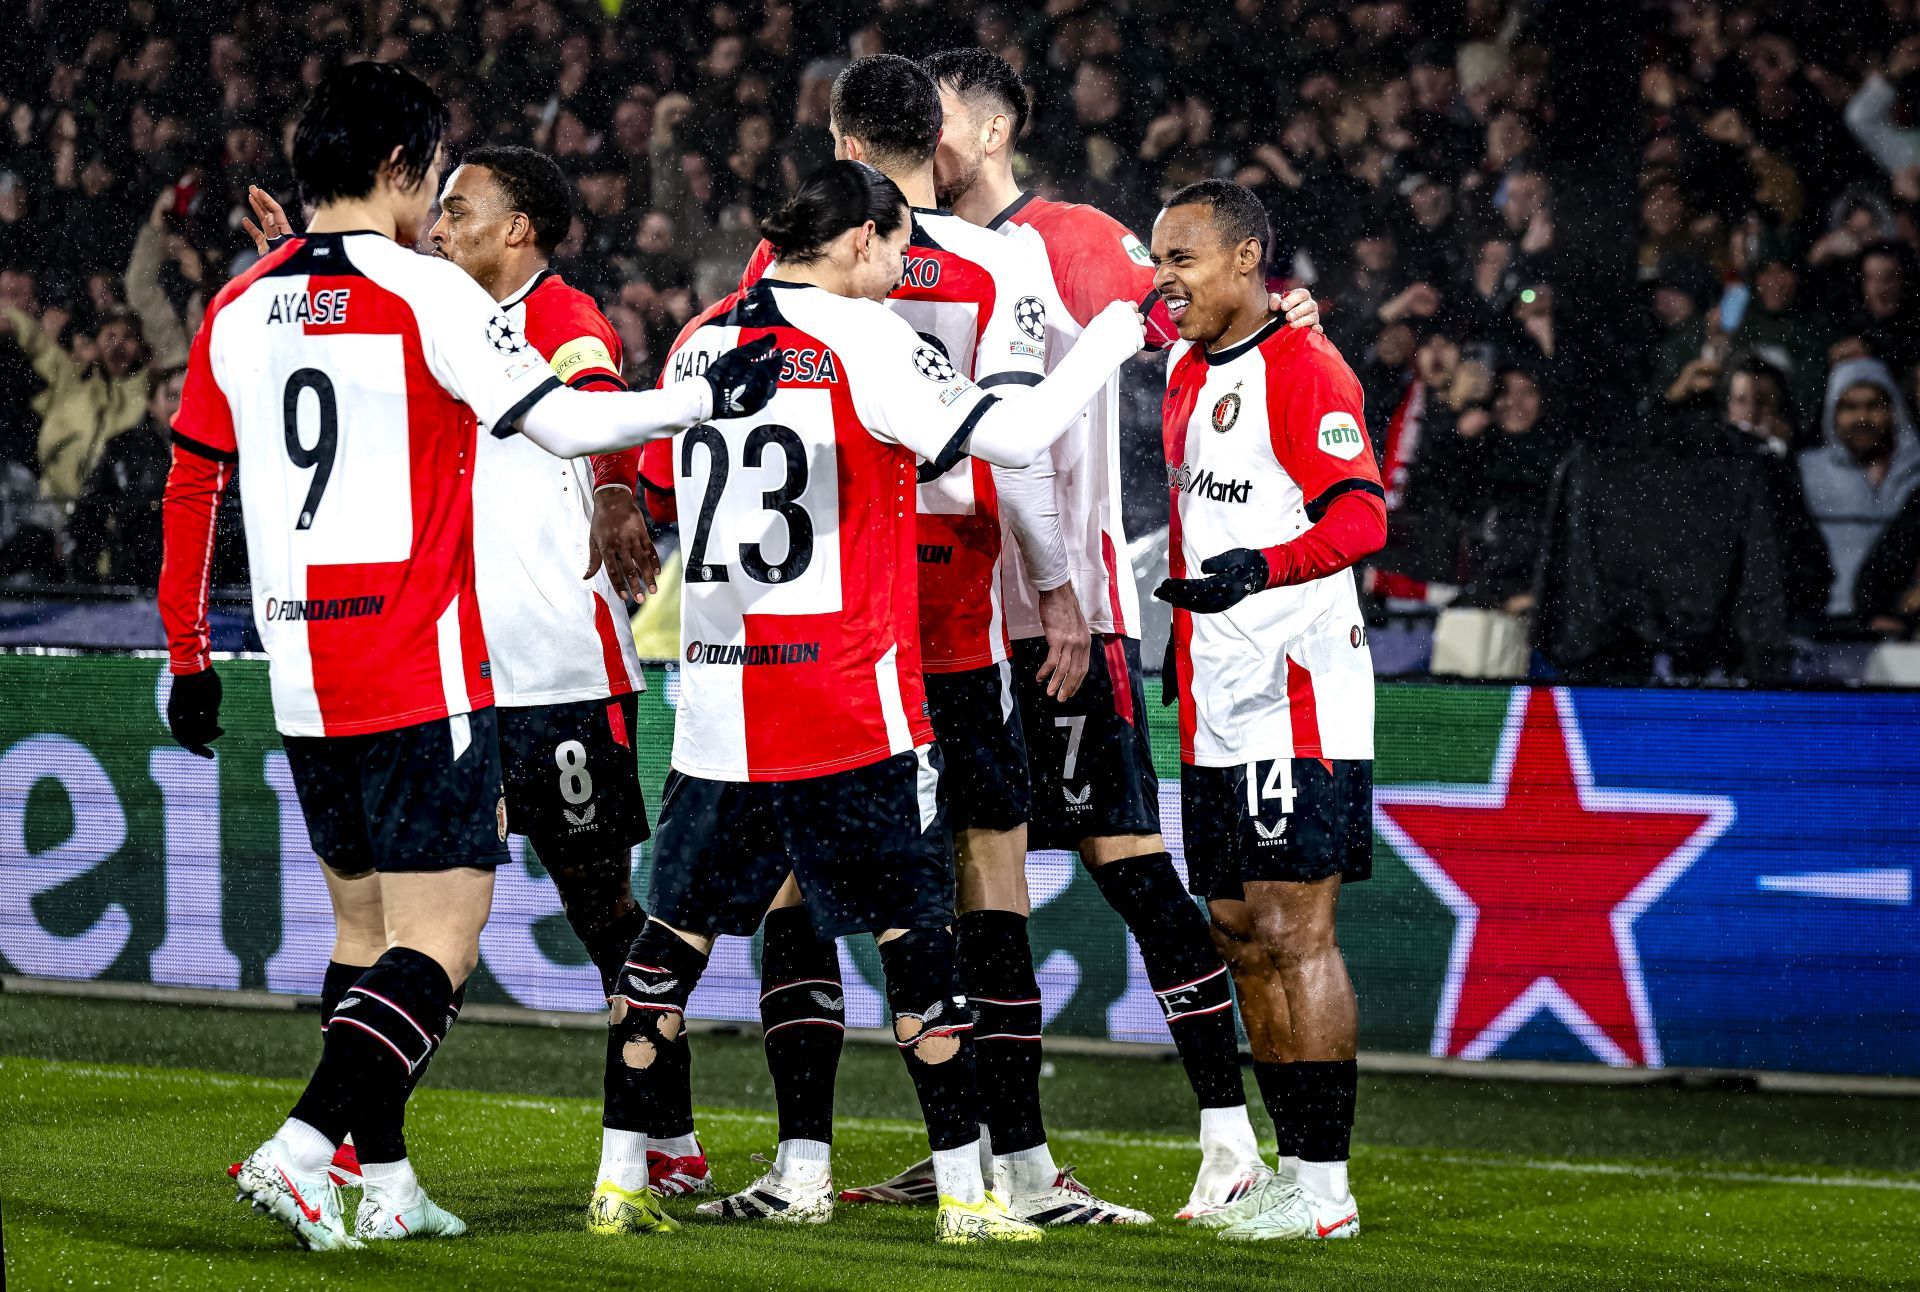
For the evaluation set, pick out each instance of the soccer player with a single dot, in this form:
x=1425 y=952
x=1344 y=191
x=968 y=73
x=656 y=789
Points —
x=802 y=744
x=564 y=669
x=565 y=674
x=983 y=301
x=346 y=378
x=1275 y=494
x=1095 y=788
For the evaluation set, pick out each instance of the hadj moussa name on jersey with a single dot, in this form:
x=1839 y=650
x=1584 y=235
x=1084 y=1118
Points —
x=745 y=653
x=291 y=611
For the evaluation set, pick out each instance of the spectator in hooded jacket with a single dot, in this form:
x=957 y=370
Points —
x=1870 y=464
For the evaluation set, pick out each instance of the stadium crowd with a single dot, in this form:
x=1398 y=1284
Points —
x=1757 y=481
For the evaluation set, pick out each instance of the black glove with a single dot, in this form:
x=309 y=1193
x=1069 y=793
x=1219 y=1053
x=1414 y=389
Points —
x=743 y=380
x=193 y=711
x=1232 y=577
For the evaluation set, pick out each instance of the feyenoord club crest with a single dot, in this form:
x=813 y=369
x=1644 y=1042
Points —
x=1031 y=315
x=933 y=365
x=1226 y=412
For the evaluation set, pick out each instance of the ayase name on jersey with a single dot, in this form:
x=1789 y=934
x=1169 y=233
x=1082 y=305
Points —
x=325 y=307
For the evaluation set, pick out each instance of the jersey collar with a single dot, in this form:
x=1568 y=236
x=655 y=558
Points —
x=1013 y=208
x=1215 y=358
x=526 y=288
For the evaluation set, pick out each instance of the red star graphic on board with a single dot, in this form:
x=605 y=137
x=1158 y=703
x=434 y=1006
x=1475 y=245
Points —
x=1545 y=874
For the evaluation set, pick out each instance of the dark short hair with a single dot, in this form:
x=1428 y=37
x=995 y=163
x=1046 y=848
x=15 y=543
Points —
x=1237 y=213
x=891 y=105
x=357 y=116
x=533 y=185
x=980 y=75
x=841 y=195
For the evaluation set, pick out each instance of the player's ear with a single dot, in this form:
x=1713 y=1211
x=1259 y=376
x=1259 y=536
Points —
x=390 y=167
x=1247 y=258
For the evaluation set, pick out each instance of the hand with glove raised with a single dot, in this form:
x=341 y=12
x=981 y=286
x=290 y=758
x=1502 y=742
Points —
x=193 y=711
x=1231 y=577
x=743 y=380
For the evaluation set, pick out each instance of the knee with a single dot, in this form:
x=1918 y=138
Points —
x=459 y=963
x=923 y=991
x=647 y=1011
x=1291 y=943
x=1233 y=936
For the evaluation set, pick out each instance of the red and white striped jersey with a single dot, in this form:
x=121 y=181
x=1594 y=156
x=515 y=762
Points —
x=1261 y=437
x=347 y=375
x=986 y=303
x=553 y=636
x=1094 y=261
x=800 y=609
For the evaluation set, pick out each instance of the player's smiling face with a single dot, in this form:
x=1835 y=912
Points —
x=1198 y=275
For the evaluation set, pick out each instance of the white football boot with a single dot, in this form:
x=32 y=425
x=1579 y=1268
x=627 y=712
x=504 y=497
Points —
x=307 y=1205
x=776 y=1197
x=1288 y=1211
x=913 y=1187
x=1226 y=1192
x=380 y=1219
x=1067 y=1202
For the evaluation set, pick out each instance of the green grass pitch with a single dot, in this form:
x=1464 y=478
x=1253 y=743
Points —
x=117 y=1121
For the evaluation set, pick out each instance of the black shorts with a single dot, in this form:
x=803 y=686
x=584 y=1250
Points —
x=425 y=797
x=1092 y=760
x=976 y=719
x=573 y=781
x=1308 y=818
x=870 y=848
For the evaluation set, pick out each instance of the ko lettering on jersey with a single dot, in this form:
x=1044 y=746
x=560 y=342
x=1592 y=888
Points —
x=554 y=637
x=1260 y=438
x=800 y=606
x=981 y=304
x=347 y=376
x=1094 y=262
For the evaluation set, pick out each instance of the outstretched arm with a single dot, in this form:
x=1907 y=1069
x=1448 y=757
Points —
x=1016 y=430
x=571 y=423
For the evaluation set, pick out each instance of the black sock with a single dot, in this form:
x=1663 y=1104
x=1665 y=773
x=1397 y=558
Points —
x=803 y=1011
x=608 y=942
x=380 y=1033
x=601 y=911
x=1280 y=1092
x=647 y=1042
x=379 y=1130
x=934 y=1032
x=996 y=972
x=1326 y=1092
x=1187 y=975
x=334 y=985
